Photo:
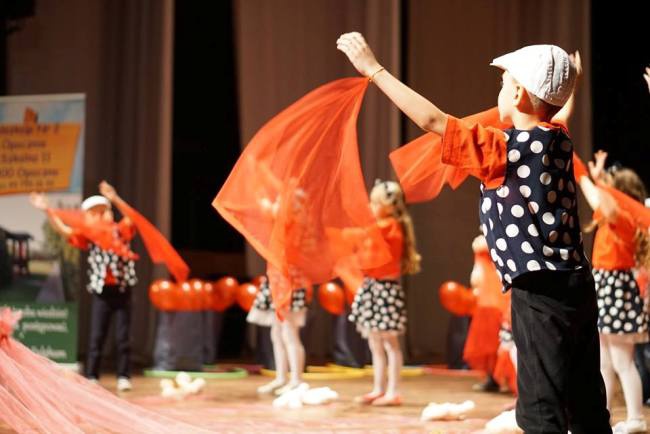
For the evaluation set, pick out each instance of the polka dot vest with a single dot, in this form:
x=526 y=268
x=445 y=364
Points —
x=99 y=261
x=531 y=220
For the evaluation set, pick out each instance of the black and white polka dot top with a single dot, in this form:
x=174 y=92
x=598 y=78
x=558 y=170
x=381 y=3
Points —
x=531 y=220
x=100 y=261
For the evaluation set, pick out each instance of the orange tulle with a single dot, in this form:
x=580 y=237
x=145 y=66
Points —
x=298 y=186
x=489 y=288
x=483 y=339
x=36 y=395
x=419 y=167
x=483 y=336
x=505 y=371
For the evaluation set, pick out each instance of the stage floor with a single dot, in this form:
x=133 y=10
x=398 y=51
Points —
x=232 y=406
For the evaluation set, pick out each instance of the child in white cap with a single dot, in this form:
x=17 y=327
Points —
x=529 y=216
x=111 y=277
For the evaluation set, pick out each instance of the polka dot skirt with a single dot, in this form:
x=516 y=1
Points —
x=263 y=310
x=379 y=306
x=620 y=307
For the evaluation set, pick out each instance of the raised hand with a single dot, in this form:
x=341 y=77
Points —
x=647 y=76
x=359 y=53
x=577 y=62
x=108 y=191
x=39 y=201
x=597 y=168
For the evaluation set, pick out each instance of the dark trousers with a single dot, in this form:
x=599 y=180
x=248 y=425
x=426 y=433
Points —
x=111 y=302
x=554 y=318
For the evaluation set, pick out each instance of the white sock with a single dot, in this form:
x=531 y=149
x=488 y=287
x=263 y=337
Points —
x=395 y=362
x=295 y=350
x=378 y=362
x=622 y=354
x=279 y=353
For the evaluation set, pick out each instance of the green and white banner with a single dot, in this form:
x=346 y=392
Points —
x=41 y=149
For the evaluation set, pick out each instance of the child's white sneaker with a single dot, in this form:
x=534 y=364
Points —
x=124 y=384
x=287 y=388
x=271 y=387
x=631 y=426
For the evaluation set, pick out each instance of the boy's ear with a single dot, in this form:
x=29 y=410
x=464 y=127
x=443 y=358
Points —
x=522 y=101
x=520 y=96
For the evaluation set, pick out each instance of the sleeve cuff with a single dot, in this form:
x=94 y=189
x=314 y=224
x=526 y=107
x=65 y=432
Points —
x=449 y=145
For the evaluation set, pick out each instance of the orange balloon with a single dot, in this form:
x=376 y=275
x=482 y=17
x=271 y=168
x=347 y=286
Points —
x=470 y=300
x=245 y=296
x=154 y=294
x=224 y=294
x=332 y=298
x=208 y=294
x=456 y=298
x=349 y=294
x=182 y=297
x=196 y=298
x=176 y=297
x=160 y=294
x=166 y=295
x=258 y=280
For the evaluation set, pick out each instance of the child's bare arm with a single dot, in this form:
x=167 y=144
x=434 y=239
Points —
x=647 y=76
x=593 y=194
x=420 y=110
x=39 y=201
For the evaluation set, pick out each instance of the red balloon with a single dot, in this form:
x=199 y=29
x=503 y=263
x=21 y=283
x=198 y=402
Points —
x=224 y=294
x=332 y=298
x=457 y=299
x=245 y=296
x=160 y=294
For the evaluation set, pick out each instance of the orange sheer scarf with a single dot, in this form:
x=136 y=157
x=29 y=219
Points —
x=419 y=166
x=298 y=187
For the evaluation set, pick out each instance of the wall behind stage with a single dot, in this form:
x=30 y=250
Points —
x=287 y=47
